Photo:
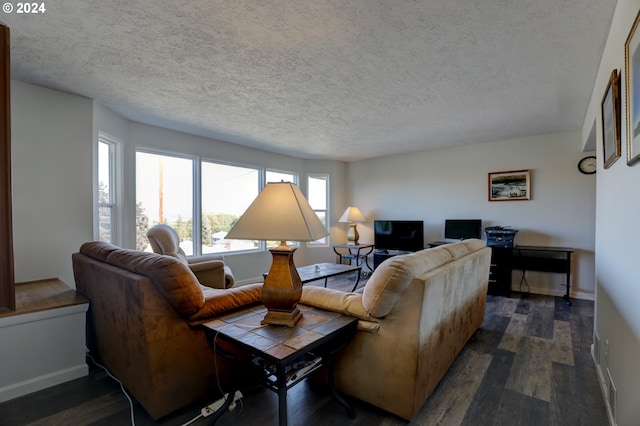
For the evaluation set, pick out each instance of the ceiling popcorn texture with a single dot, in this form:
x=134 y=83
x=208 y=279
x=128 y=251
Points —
x=324 y=79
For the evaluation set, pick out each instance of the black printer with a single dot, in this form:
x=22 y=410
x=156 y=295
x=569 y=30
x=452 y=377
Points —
x=499 y=236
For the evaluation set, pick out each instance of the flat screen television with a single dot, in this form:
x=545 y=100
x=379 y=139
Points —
x=461 y=229
x=402 y=235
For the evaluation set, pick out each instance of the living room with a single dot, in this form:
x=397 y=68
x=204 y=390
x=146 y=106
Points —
x=54 y=134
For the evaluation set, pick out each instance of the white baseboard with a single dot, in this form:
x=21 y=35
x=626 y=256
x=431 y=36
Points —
x=35 y=384
x=558 y=293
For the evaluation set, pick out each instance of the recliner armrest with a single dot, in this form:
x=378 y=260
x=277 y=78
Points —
x=210 y=273
x=336 y=301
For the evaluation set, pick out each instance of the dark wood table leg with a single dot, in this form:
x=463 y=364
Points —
x=281 y=378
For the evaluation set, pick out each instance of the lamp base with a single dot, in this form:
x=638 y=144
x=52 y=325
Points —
x=282 y=318
x=282 y=288
x=352 y=234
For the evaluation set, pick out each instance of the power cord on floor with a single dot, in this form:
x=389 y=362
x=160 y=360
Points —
x=133 y=420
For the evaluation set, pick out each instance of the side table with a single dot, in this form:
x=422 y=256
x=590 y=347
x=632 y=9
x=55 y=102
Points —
x=355 y=252
x=286 y=354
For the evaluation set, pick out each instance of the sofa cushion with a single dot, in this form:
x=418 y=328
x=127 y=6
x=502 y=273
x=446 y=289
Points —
x=462 y=248
x=390 y=280
x=173 y=279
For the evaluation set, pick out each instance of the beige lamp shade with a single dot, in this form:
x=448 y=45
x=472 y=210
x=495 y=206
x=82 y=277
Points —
x=352 y=214
x=280 y=212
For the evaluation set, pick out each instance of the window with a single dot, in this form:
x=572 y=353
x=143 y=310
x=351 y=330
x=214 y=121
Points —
x=107 y=191
x=164 y=194
x=317 y=195
x=227 y=191
x=200 y=199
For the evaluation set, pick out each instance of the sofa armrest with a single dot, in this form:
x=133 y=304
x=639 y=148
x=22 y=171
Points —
x=218 y=301
x=336 y=301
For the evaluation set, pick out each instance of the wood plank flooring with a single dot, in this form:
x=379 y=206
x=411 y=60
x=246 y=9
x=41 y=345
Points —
x=528 y=364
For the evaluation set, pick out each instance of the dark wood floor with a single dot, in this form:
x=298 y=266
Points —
x=528 y=364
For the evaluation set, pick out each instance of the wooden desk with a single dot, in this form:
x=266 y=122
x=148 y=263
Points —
x=544 y=259
x=278 y=350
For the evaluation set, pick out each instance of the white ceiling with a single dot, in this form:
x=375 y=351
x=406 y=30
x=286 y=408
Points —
x=327 y=79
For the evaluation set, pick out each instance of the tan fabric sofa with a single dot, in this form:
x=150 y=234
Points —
x=142 y=324
x=416 y=312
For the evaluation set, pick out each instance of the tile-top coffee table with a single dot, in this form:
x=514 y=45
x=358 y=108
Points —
x=286 y=354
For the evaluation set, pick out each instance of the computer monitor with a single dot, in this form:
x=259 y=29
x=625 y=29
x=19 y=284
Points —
x=461 y=229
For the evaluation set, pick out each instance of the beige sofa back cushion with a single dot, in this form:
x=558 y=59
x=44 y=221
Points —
x=175 y=281
x=461 y=248
x=391 y=278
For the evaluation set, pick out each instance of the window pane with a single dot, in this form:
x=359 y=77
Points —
x=273 y=176
x=317 y=190
x=164 y=194
x=227 y=191
x=105 y=191
x=317 y=193
x=104 y=172
x=104 y=223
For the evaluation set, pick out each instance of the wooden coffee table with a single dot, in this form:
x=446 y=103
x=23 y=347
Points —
x=327 y=270
x=286 y=355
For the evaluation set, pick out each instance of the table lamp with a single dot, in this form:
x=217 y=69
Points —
x=280 y=213
x=351 y=216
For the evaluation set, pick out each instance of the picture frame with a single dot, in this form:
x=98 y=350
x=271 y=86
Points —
x=610 y=109
x=514 y=185
x=632 y=87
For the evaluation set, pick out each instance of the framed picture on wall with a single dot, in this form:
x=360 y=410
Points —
x=510 y=186
x=632 y=77
x=611 y=121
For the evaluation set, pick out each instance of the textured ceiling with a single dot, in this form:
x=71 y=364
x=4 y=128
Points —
x=334 y=79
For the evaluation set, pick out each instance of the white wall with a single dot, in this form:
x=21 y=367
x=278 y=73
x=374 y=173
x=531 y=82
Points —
x=452 y=183
x=51 y=165
x=617 y=233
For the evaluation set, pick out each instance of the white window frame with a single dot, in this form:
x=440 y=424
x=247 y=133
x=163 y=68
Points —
x=115 y=188
x=324 y=241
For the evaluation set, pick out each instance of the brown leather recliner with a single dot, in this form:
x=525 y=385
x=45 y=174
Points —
x=209 y=269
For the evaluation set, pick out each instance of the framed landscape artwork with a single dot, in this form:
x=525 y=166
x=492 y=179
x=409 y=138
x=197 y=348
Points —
x=510 y=186
x=611 y=121
x=632 y=76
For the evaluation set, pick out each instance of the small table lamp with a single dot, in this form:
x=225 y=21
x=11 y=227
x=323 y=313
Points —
x=280 y=212
x=351 y=216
